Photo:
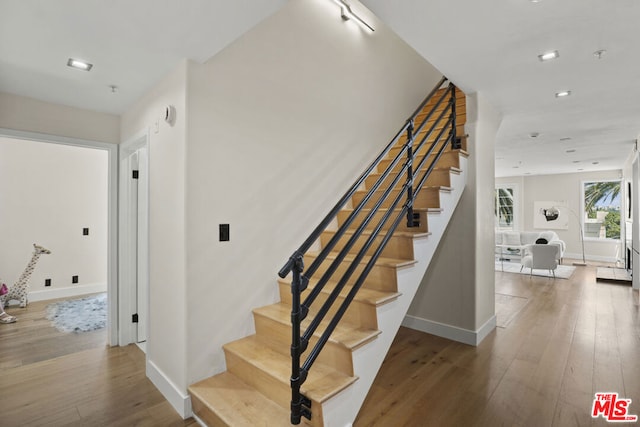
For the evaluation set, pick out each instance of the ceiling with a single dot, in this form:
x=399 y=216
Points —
x=490 y=47
x=131 y=43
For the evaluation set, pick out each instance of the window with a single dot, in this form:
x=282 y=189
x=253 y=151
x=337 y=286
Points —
x=601 y=209
x=505 y=207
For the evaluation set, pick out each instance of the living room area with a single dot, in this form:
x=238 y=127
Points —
x=586 y=216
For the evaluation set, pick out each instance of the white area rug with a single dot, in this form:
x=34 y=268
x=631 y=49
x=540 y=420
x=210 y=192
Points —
x=562 y=272
x=80 y=315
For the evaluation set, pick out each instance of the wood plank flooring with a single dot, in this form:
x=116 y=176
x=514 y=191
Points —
x=561 y=342
x=50 y=378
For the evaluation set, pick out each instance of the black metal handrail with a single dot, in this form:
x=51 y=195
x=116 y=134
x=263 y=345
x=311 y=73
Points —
x=417 y=157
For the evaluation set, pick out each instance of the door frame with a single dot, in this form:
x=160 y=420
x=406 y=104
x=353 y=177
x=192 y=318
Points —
x=112 y=214
x=127 y=333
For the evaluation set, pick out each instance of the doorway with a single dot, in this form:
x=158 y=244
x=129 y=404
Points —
x=111 y=226
x=134 y=238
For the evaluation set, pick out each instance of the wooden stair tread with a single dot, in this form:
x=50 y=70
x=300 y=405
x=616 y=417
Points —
x=365 y=295
x=381 y=261
x=237 y=403
x=323 y=382
x=348 y=335
x=451 y=169
x=426 y=187
x=397 y=233
x=415 y=209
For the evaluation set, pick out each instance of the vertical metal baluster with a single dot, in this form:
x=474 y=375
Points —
x=410 y=220
x=456 y=142
x=296 y=398
x=300 y=404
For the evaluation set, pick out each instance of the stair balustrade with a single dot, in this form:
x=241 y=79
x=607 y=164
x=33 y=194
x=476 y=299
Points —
x=422 y=147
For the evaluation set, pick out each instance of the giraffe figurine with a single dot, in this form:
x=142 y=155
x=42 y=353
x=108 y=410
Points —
x=19 y=291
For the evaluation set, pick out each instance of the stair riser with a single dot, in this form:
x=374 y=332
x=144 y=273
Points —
x=461 y=119
x=397 y=247
x=439 y=177
x=276 y=390
x=333 y=354
x=461 y=114
x=266 y=384
x=383 y=278
x=358 y=313
x=417 y=138
x=423 y=228
x=460 y=98
x=205 y=414
x=427 y=198
x=448 y=159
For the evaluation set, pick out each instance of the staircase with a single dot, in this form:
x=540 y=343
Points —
x=256 y=388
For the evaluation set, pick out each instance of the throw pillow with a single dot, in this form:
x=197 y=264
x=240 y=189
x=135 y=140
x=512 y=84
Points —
x=548 y=235
x=541 y=241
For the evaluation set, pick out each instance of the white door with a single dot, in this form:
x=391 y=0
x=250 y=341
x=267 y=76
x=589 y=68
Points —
x=134 y=242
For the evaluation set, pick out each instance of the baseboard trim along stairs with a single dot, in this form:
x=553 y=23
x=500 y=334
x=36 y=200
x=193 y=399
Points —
x=255 y=389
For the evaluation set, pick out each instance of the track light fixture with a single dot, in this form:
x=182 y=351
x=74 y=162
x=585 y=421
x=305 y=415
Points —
x=347 y=14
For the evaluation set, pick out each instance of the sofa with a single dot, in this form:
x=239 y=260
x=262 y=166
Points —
x=512 y=243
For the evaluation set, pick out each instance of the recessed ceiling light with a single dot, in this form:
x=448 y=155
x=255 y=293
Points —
x=563 y=93
x=79 y=64
x=576 y=161
x=565 y=139
x=571 y=151
x=580 y=169
x=534 y=134
x=595 y=163
x=548 y=56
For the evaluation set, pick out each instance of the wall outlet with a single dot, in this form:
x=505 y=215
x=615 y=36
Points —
x=47 y=282
x=74 y=279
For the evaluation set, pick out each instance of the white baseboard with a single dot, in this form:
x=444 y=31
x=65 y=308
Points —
x=591 y=257
x=180 y=402
x=72 y=291
x=199 y=421
x=486 y=329
x=454 y=333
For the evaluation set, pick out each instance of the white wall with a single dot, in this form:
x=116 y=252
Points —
x=27 y=114
x=565 y=188
x=48 y=194
x=458 y=290
x=280 y=124
x=166 y=347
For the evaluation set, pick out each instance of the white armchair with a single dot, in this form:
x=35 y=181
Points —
x=541 y=257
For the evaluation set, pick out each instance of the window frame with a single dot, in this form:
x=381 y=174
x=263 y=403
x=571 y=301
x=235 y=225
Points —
x=516 y=194
x=583 y=212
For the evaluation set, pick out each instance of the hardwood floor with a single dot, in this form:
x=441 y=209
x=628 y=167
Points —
x=560 y=342
x=50 y=378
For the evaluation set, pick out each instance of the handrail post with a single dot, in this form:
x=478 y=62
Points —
x=410 y=136
x=300 y=405
x=456 y=142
